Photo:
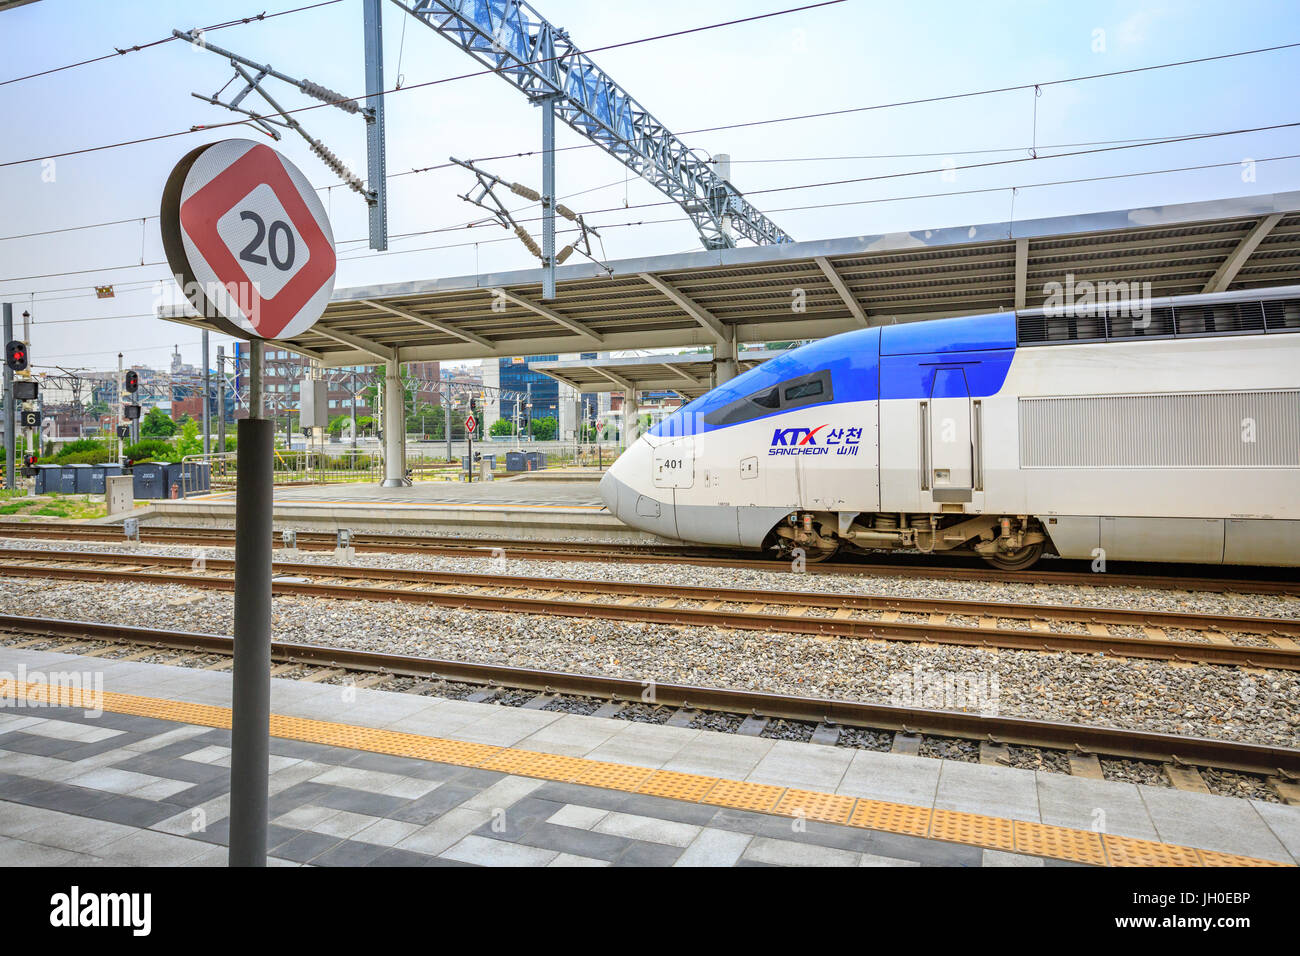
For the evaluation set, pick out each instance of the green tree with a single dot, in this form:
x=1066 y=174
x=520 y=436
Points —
x=157 y=424
x=502 y=426
x=426 y=419
x=543 y=429
x=189 y=443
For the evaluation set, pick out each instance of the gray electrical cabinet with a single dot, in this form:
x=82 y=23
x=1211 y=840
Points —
x=313 y=408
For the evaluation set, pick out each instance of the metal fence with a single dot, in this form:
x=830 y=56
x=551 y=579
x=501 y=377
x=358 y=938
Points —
x=219 y=471
x=425 y=461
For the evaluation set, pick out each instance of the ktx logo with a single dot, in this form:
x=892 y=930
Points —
x=795 y=436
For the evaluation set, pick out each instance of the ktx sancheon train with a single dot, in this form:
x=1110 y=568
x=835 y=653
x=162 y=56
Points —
x=1159 y=431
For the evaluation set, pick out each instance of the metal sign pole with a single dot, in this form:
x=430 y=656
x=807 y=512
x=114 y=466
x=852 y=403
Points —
x=11 y=420
x=221 y=399
x=207 y=397
x=251 y=721
x=548 y=197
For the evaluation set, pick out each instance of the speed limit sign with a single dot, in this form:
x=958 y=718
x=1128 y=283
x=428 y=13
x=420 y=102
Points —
x=248 y=238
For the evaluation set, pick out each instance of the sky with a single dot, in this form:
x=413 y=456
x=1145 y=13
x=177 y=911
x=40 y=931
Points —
x=852 y=54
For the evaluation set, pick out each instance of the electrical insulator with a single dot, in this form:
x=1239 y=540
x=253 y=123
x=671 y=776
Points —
x=528 y=241
x=333 y=162
x=329 y=96
x=519 y=189
x=566 y=212
x=564 y=254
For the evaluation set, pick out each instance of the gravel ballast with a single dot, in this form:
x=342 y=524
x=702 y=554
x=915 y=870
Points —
x=1210 y=701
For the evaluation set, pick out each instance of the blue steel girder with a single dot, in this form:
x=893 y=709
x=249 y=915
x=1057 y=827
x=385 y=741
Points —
x=514 y=40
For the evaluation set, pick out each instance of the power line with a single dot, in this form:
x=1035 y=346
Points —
x=955 y=168
x=930 y=99
x=956 y=152
x=788 y=159
x=416 y=86
x=967 y=192
x=612 y=209
x=122 y=51
x=803 y=208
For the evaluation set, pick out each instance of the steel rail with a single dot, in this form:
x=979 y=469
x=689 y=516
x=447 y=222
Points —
x=1118 y=646
x=1101 y=740
x=1196 y=621
x=641 y=553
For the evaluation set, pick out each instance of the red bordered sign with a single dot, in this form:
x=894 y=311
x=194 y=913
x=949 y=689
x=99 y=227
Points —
x=248 y=239
x=470 y=425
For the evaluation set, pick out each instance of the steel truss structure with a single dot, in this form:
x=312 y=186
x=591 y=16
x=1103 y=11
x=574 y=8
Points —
x=514 y=40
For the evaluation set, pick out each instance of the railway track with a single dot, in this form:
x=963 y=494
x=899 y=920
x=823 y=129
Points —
x=658 y=554
x=1209 y=639
x=1280 y=764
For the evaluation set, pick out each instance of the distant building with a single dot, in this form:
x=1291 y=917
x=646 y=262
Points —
x=282 y=377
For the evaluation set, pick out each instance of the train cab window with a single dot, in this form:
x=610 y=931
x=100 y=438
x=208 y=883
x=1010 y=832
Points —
x=811 y=389
x=803 y=390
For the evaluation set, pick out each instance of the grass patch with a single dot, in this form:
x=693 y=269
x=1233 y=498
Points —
x=75 y=507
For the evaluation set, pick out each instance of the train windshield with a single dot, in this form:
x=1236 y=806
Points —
x=810 y=389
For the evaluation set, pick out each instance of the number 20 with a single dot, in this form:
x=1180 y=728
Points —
x=277 y=228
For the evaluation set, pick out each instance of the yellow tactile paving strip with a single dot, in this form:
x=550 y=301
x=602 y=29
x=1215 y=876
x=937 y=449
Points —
x=225 y=496
x=971 y=829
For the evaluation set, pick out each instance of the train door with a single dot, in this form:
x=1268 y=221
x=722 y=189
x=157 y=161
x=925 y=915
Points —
x=948 y=470
x=840 y=469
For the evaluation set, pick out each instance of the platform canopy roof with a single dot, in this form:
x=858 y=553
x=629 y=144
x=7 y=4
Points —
x=689 y=375
x=806 y=290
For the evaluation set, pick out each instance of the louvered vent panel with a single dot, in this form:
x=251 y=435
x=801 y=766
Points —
x=1110 y=323
x=1217 y=430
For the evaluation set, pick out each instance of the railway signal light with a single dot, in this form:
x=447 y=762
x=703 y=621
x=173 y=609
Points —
x=131 y=412
x=16 y=356
x=26 y=390
x=131 y=381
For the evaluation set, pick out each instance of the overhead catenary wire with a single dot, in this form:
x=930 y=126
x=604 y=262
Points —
x=611 y=209
x=964 y=192
x=813 y=206
x=416 y=86
x=734 y=162
x=136 y=48
x=626 y=43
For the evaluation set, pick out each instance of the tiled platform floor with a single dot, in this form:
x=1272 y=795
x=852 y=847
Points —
x=130 y=790
x=118 y=788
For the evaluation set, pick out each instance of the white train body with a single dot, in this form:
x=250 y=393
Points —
x=1168 y=434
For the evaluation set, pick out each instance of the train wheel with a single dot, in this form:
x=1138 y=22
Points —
x=1016 y=560
x=818 y=555
x=809 y=555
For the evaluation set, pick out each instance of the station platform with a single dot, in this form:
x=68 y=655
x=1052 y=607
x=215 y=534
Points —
x=519 y=507
x=136 y=774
